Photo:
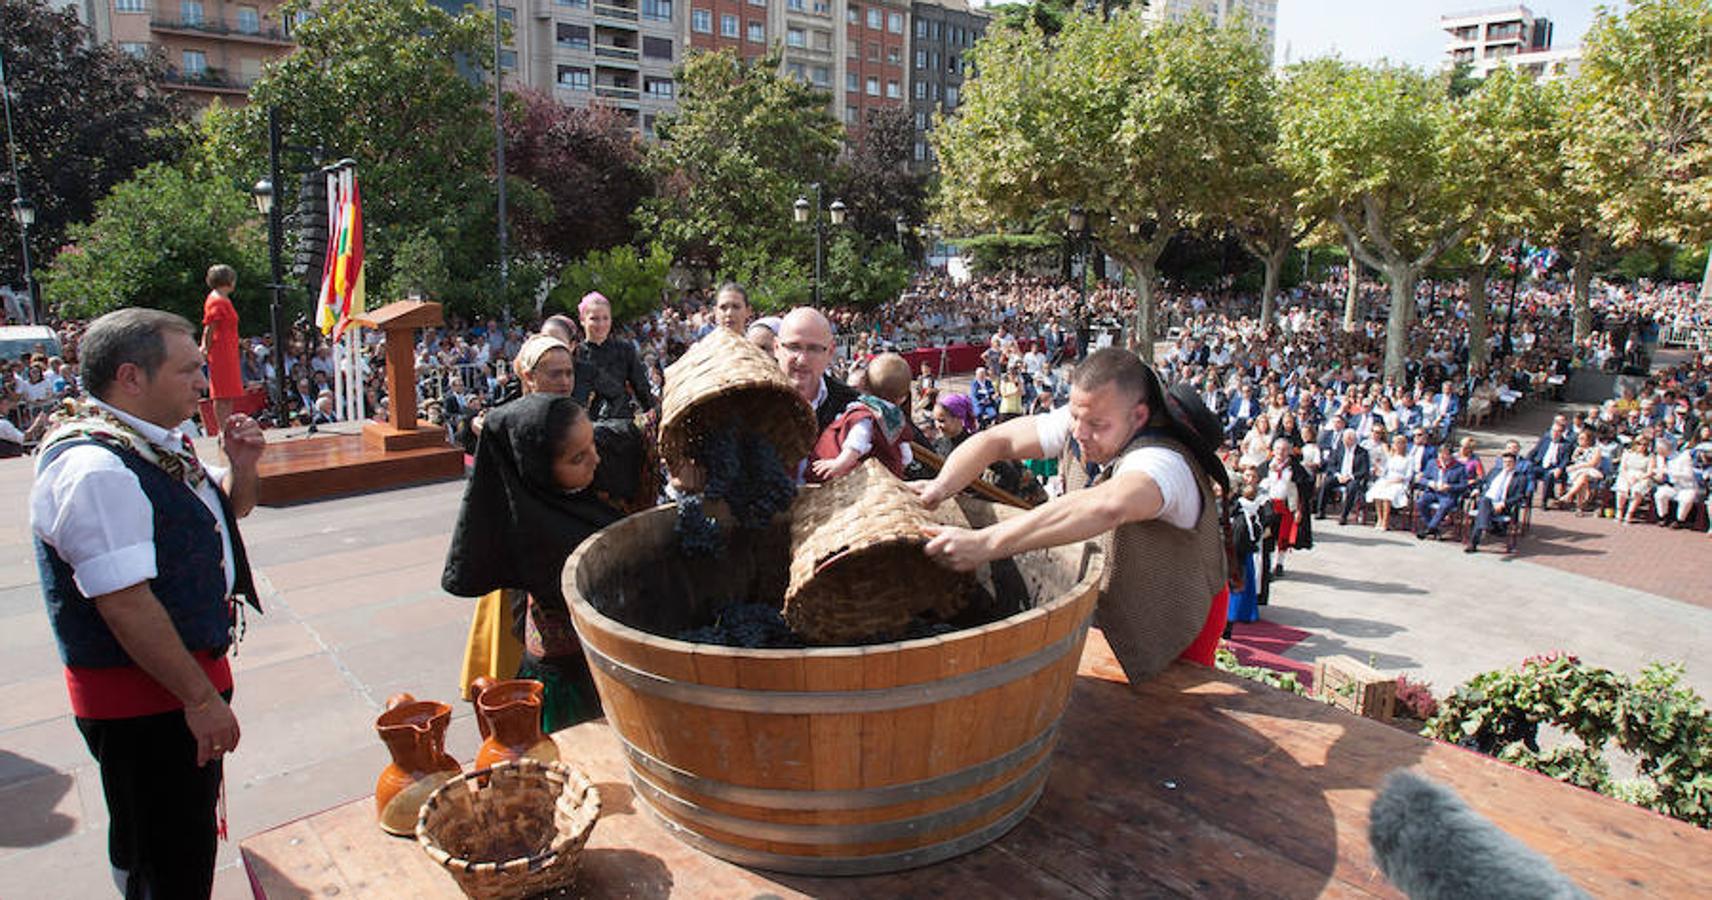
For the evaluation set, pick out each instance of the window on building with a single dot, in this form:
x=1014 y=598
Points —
x=249 y=69
x=876 y=20
x=195 y=63
x=853 y=14
x=574 y=78
x=873 y=52
x=895 y=22
x=894 y=55
x=761 y=3
x=934 y=57
x=249 y=20
x=823 y=41
x=138 y=49
x=852 y=82
x=648 y=124
x=921 y=90
x=938 y=31
x=795 y=70
x=574 y=4
x=933 y=91
x=894 y=90
x=822 y=8
x=757 y=33
x=921 y=120
x=920 y=151
x=130 y=6
x=573 y=37
x=821 y=76
x=951 y=63
x=657 y=10
x=796 y=37
x=190 y=12
x=794 y=5
x=921 y=28
x=508 y=59
x=873 y=87
x=507 y=14
x=728 y=26
x=657 y=48
x=658 y=88
x=701 y=20
x=849 y=115
x=950 y=96
x=921 y=59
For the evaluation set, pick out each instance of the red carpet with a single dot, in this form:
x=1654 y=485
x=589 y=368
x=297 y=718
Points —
x=1264 y=643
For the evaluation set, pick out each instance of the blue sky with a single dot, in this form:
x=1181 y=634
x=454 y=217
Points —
x=1400 y=30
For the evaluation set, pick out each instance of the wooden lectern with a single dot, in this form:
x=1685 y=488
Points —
x=402 y=430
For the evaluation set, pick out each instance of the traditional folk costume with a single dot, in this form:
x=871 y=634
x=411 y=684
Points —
x=119 y=501
x=875 y=428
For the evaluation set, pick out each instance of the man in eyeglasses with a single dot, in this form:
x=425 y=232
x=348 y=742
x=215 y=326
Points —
x=804 y=350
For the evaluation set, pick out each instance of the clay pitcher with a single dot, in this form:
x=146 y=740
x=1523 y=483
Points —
x=415 y=733
x=509 y=714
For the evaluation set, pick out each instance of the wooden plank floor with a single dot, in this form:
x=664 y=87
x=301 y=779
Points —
x=311 y=468
x=1197 y=784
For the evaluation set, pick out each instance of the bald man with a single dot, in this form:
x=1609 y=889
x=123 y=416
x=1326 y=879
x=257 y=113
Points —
x=804 y=350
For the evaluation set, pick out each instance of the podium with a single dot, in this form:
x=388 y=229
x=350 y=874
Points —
x=401 y=451
x=402 y=430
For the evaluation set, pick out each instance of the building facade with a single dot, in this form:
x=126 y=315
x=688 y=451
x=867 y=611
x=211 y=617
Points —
x=213 y=48
x=941 y=33
x=875 y=76
x=1260 y=15
x=1485 y=39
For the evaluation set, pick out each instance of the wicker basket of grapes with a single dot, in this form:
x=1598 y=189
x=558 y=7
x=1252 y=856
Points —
x=724 y=382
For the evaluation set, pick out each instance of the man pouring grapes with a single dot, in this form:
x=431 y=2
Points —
x=1140 y=465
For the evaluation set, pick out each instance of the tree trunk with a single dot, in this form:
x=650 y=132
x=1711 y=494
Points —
x=1352 y=295
x=1146 y=271
x=1402 y=279
x=1479 y=318
x=1581 y=277
x=1274 y=266
x=1706 y=280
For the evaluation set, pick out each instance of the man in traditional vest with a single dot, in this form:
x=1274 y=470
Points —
x=1139 y=465
x=140 y=561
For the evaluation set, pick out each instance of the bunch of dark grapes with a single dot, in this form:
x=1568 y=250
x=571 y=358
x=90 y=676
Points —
x=721 y=460
x=698 y=534
x=750 y=625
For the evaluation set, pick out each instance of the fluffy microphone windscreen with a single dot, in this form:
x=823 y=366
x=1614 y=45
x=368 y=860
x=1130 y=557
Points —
x=1433 y=847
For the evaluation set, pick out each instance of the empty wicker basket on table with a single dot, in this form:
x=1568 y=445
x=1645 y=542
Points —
x=857 y=567
x=723 y=379
x=511 y=831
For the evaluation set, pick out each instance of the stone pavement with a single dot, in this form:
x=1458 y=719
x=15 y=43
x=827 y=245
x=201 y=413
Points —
x=355 y=614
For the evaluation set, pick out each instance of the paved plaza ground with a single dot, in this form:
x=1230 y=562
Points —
x=355 y=613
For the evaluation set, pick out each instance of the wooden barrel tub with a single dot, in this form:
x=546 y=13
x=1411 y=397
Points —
x=827 y=760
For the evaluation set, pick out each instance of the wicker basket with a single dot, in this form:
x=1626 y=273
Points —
x=857 y=568
x=724 y=379
x=511 y=831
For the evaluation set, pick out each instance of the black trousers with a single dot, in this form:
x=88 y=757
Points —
x=161 y=804
x=1352 y=494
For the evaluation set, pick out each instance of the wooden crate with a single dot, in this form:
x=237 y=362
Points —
x=1349 y=684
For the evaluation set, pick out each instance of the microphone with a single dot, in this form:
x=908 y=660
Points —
x=1433 y=847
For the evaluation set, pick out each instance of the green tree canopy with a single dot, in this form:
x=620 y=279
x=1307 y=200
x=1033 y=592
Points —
x=376 y=81
x=633 y=282
x=85 y=117
x=1146 y=127
x=744 y=144
x=152 y=241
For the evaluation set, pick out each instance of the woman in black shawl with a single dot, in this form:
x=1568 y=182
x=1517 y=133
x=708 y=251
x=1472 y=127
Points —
x=526 y=507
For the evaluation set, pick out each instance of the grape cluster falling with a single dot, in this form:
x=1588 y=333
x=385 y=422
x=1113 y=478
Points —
x=749 y=625
x=744 y=470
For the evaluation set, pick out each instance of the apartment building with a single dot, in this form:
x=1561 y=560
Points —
x=1506 y=36
x=941 y=33
x=1261 y=15
x=213 y=48
x=875 y=76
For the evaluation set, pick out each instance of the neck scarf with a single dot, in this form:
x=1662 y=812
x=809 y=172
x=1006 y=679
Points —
x=82 y=420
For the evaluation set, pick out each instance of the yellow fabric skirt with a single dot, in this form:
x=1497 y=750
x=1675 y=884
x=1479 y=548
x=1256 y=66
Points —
x=492 y=649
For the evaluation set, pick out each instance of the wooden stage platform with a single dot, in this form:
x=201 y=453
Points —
x=1198 y=784
x=336 y=462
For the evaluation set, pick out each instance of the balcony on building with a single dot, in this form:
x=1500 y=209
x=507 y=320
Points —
x=211 y=80
x=246 y=29
x=616 y=84
x=616 y=44
x=617 y=10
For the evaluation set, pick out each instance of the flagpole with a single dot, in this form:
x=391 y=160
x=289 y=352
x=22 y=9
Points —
x=335 y=200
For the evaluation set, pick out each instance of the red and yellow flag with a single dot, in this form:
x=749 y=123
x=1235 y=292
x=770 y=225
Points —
x=342 y=284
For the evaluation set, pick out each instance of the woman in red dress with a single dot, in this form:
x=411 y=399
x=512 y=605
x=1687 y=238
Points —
x=220 y=344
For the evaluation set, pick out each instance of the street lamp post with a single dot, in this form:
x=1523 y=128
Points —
x=903 y=227
x=24 y=213
x=802 y=212
x=1510 y=311
x=264 y=196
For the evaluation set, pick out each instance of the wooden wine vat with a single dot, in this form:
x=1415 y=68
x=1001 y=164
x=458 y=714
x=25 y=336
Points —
x=827 y=760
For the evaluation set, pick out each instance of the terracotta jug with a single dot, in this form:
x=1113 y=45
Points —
x=415 y=733
x=509 y=716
